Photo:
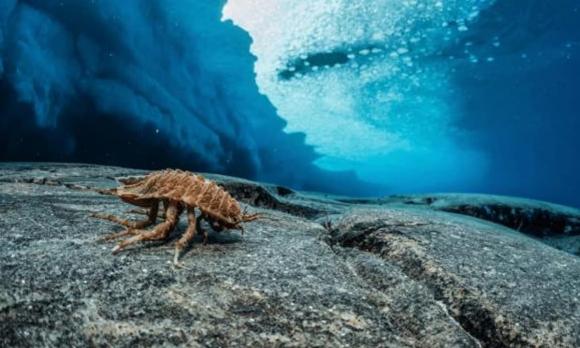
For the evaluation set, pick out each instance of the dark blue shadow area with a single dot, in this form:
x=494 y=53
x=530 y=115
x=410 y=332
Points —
x=84 y=135
x=529 y=128
x=524 y=106
x=147 y=84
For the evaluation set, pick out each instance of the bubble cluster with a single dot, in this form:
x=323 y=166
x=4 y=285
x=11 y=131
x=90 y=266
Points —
x=365 y=81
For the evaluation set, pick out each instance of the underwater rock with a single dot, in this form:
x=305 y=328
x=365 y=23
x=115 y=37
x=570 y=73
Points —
x=553 y=224
x=537 y=218
x=503 y=288
x=316 y=272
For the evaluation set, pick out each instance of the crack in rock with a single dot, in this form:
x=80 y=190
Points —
x=467 y=305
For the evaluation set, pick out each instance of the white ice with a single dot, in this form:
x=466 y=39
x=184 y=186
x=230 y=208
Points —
x=389 y=113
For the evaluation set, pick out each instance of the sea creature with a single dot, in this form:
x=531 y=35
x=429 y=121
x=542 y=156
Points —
x=179 y=191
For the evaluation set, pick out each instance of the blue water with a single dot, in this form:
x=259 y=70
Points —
x=359 y=98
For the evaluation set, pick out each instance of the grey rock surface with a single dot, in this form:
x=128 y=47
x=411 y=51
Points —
x=318 y=271
x=552 y=224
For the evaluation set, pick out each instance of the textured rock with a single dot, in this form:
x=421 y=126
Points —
x=316 y=272
x=555 y=225
x=504 y=288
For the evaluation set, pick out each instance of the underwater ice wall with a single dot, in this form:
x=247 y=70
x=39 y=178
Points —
x=428 y=95
x=149 y=84
x=411 y=95
x=362 y=80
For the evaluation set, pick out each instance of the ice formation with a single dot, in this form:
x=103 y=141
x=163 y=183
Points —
x=364 y=81
x=146 y=84
x=409 y=95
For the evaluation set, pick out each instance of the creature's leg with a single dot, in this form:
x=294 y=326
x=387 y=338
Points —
x=137 y=211
x=151 y=217
x=160 y=215
x=216 y=226
x=205 y=232
x=125 y=232
x=160 y=231
x=165 y=207
x=131 y=225
x=187 y=236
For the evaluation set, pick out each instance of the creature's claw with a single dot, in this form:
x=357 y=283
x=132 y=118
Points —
x=180 y=265
x=117 y=249
x=176 y=262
